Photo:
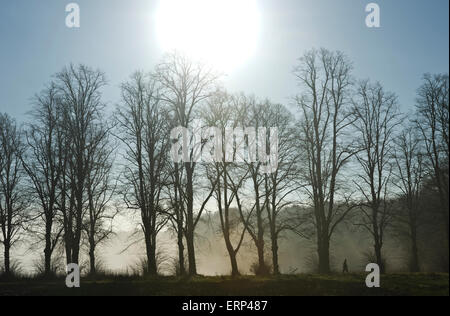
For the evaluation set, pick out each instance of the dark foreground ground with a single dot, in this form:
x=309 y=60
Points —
x=299 y=285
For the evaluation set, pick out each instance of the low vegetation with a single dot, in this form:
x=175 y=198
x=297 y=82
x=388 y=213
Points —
x=285 y=285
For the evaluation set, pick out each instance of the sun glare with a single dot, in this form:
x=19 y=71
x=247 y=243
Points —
x=223 y=33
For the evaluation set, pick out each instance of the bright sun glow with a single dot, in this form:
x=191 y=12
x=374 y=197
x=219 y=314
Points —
x=223 y=33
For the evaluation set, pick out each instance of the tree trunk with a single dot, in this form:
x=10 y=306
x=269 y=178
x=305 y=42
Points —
x=68 y=253
x=276 y=267
x=378 y=241
x=260 y=243
x=93 y=270
x=324 y=255
x=48 y=248
x=76 y=249
x=151 y=256
x=190 y=222
x=379 y=257
x=77 y=238
x=231 y=254
x=68 y=247
x=152 y=265
x=261 y=263
x=182 y=268
x=414 y=252
x=75 y=253
x=234 y=264
x=47 y=259
x=7 y=259
x=191 y=252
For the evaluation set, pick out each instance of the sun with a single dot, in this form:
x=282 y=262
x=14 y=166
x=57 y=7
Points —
x=223 y=33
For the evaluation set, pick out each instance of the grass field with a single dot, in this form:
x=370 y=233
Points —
x=298 y=285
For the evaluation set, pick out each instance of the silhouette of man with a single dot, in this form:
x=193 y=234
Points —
x=345 y=267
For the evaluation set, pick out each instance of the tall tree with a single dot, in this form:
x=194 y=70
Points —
x=185 y=86
x=100 y=192
x=144 y=124
x=283 y=181
x=408 y=178
x=252 y=113
x=220 y=117
x=176 y=213
x=42 y=163
x=325 y=140
x=79 y=88
x=433 y=122
x=377 y=116
x=13 y=201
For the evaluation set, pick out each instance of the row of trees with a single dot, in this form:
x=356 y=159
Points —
x=345 y=155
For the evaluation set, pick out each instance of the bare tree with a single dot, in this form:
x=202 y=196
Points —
x=433 y=122
x=42 y=164
x=79 y=89
x=325 y=139
x=377 y=116
x=251 y=113
x=185 y=85
x=408 y=179
x=64 y=201
x=220 y=115
x=176 y=213
x=283 y=182
x=13 y=200
x=100 y=192
x=144 y=124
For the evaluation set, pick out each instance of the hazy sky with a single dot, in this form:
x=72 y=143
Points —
x=118 y=37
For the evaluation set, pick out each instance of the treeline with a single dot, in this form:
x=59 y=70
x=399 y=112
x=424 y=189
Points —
x=346 y=155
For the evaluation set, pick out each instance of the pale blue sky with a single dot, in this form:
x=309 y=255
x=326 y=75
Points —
x=118 y=37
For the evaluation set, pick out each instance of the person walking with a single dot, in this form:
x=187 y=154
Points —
x=345 y=267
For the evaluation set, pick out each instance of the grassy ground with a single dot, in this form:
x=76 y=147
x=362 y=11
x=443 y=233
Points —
x=298 y=285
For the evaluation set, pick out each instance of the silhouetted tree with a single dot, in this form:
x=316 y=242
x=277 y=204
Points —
x=433 y=122
x=221 y=114
x=42 y=163
x=252 y=113
x=100 y=190
x=325 y=139
x=408 y=177
x=144 y=124
x=283 y=181
x=79 y=88
x=185 y=85
x=377 y=116
x=13 y=199
x=176 y=213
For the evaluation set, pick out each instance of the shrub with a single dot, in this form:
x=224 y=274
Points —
x=261 y=270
